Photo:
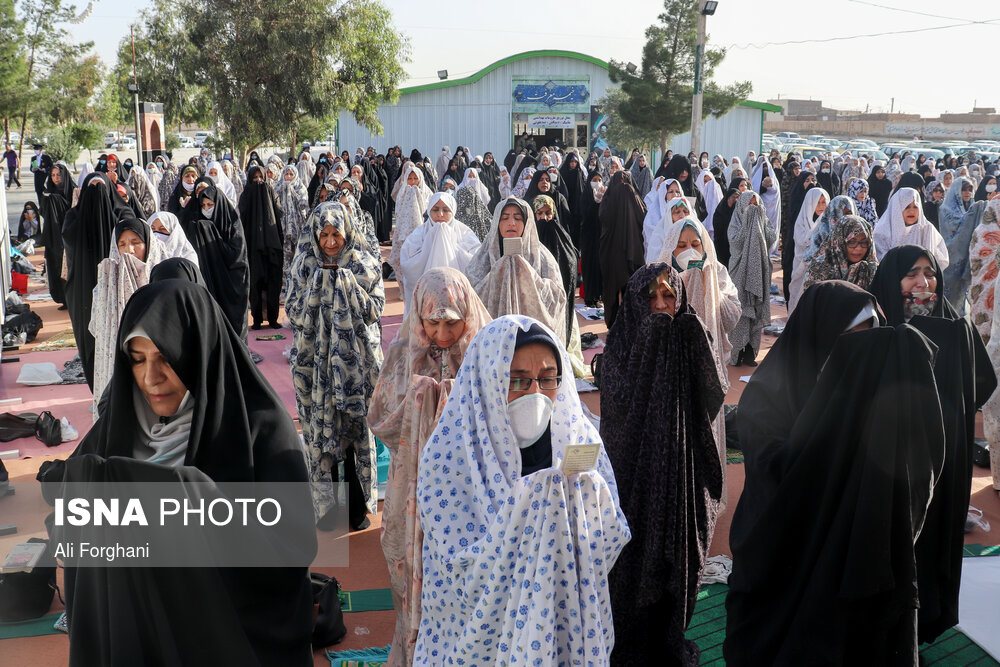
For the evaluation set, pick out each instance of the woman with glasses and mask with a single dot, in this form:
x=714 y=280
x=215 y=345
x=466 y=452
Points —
x=661 y=389
x=506 y=526
x=847 y=254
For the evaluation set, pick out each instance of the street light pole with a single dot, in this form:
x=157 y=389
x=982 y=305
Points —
x=134 y=89
x=699 y=58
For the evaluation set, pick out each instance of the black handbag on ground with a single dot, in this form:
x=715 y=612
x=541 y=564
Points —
x=329 y=628
x=27 y=595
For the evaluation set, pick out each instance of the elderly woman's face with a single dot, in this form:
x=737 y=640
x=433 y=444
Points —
x=677 y=213
x=443 y=333
x=130 y=243
x=661 y=297
x=155 y=378
x=673 y=191
x=331 y=241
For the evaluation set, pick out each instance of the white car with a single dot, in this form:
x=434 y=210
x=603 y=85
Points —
x=186 y=141
x=125 y=143
x=110 y=139
x=201 y=137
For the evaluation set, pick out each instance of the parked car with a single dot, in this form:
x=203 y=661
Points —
x=124 y=143
x=110 y=138
x=781 y=136
x=186 y=141
x=201 y=136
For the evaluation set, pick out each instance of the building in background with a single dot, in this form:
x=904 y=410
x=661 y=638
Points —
x=548 y=94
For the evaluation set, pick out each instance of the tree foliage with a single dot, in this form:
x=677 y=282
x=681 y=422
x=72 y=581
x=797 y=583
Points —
x=274 y=62
x=62 y=145
x=621 y=134
x=45 y=43
x=167 y=67
x=68 y=89
x=13 y=68
x=658 y=96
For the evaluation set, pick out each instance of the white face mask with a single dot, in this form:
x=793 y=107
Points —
x=704 y=164
x=553 y=177
x=689 y=255
x=529 y=417
x=187 y=186
x=207 y=212
x=991 y=188
x=825 y=170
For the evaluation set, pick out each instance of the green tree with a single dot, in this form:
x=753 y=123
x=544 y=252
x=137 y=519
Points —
x=45 y=41
x=69 y=89
x=62 y=145
x=88 y=135
x=13 y=68
x=658 y=96
x=274 y=62
x=621 y=134
x=113 y=105
x=166 y=66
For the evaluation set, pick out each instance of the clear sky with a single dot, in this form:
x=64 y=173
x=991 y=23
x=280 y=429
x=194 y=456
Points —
x=926 y=68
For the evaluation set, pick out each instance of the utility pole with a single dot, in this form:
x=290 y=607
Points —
x=892 y=105
x=699 y=57
x=134 y=89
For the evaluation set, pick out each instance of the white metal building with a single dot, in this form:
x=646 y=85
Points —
x=549 y=94
x=733 y=133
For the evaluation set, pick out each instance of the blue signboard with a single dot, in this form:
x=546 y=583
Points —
x=541 y=94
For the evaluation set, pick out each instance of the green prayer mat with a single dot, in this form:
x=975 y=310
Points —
x=708 y=630
x=375 y=599
x=369 y=657
x=35 y=627
x=734 y=456
x=980 y=550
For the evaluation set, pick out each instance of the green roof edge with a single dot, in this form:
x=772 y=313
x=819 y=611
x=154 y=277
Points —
x=556 y=53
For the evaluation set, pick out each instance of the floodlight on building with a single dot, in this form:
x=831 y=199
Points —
x=442 y=74
x=631 y=68
x=709 y=8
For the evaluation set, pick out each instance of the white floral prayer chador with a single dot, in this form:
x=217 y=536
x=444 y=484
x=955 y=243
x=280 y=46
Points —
x=515 y=568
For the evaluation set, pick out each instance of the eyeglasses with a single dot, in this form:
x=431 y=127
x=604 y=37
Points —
x=854 y=245
x=544 y=384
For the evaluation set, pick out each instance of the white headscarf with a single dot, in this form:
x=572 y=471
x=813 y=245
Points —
x=499 y=547
x=658 y=235
x=436 y=244
x=411 y=202
x=476 y=182
x=712 y=192
x=222 y=182
x=891 y=231
x=771 y=198
x=175 y=244
x=803 y=230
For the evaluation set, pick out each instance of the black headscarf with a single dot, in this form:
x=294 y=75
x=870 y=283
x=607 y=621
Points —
x=554 y=236
x=177 y=268
x=621 y=213
x=240 y=432
x=222 y=254
x=137 y=226
x=677 y=166
x=910 y=179
x=174 y=205
x=88 y=232
x=843 y=440
x=965 y=379
x=879 y=189
x=660 y=391
x=981 y=193
x=829 y=182
x=22 y=229
x=590 y=241
x=508 y=160
x=56 y=202
x=574 y=178
x=886 y=284
x=558 y=195
x=720 y=221
x=261 y=214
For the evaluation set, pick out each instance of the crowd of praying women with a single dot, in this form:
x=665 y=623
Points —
x=500 y=546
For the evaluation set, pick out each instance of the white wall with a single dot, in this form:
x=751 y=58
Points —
x=476 y=115
x=734 y=133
